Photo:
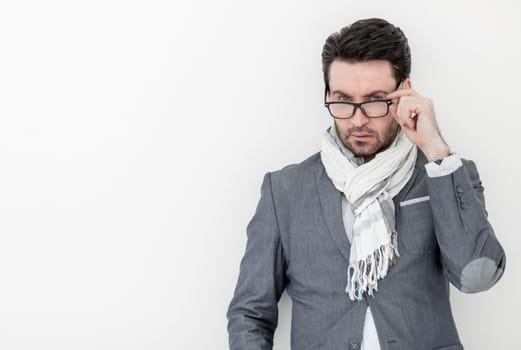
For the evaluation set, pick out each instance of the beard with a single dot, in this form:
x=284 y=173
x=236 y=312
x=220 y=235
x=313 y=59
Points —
x=369 y=146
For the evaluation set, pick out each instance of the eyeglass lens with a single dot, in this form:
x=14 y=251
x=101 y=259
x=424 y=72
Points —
x=371 y=109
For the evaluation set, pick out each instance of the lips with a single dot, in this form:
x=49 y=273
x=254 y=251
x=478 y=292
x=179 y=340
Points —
x=361 y=135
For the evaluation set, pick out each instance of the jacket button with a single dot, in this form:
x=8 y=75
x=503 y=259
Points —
x=463 y=202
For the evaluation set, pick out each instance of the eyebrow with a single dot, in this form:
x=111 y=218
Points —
x=376 y=92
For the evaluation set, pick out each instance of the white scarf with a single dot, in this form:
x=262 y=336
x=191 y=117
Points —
x=370 y=188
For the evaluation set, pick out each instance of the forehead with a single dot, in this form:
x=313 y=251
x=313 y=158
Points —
x=358 y=78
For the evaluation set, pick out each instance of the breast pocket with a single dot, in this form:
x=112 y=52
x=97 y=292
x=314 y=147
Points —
x=415 y=226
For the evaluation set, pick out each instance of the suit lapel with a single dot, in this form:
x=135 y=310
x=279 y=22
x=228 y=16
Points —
x=418 y=168
x=331 y=202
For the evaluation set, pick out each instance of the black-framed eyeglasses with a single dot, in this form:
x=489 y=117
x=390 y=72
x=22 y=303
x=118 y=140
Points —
x=371 y=109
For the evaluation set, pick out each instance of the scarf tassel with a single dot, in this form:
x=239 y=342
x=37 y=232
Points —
x=364 y=275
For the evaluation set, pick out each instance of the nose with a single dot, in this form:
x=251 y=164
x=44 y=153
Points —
x=359 y=119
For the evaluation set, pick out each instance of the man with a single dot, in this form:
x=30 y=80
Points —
x=366 y=235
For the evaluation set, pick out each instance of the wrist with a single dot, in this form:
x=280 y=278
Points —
x=437 y=151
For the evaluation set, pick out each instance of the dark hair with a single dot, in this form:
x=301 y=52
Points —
x=368 y=39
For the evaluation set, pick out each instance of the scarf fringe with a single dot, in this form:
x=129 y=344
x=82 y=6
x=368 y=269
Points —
x=364 y=275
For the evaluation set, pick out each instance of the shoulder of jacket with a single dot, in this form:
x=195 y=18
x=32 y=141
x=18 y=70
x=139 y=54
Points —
x=298 y=169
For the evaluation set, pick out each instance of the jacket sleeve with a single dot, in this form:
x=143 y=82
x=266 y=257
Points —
x=253 y=311
x=472 y=257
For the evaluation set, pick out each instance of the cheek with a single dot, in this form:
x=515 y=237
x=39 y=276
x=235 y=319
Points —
x=385 y=126
x=392 y=129
x=342 y=125
x=392 y=123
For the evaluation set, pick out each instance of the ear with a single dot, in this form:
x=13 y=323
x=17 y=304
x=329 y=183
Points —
x=407 y=84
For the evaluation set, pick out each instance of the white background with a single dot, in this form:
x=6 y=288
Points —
x=134 y=136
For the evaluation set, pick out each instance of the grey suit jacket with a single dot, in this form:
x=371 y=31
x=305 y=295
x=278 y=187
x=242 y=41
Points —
x=297 y=242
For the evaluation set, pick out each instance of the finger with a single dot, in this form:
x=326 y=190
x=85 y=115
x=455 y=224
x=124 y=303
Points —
x=402 y=124
x=410 y=106
x=403 y=113
x=407 y=122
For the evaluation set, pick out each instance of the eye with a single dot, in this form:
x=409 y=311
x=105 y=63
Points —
x=377 y=97
x=342 y=98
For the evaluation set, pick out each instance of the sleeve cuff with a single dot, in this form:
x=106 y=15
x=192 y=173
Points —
x=449 y=165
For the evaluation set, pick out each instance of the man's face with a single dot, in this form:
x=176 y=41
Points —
x=360 y=82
